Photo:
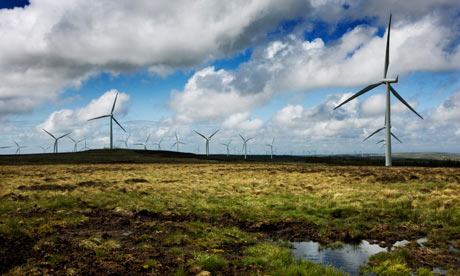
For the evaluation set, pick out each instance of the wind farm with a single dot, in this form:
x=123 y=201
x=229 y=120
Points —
x=244 y=142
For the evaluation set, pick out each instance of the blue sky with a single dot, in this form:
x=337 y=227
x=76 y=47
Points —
x=264 y=69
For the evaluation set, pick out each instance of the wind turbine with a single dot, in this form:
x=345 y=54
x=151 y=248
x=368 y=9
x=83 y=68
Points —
x=56 y=139
x=44 y=149
x=387 y=109
x=144 y=144
x=271 y=148
x=245 y=145
x=75 y=143
x=112 y=118
x=18 y=147
x=125 y=141
x=228 y=146
x=207 y=139
x=86 y=148
x=177 y=143
x=159 y=144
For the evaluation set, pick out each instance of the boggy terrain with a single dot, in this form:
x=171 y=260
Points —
x=220 y=218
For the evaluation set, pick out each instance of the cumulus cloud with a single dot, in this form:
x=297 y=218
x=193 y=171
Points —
x=354 y=60
x=449 y=110
x=54 y=45
x=77 y=120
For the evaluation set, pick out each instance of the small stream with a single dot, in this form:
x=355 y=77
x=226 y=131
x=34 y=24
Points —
x=349 y=258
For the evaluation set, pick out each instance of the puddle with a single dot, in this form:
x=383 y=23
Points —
x=348 y=258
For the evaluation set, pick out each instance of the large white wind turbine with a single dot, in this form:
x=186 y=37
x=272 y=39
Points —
x=245 y=145
x=56 y=139
x=143 y=144
x=227 y=146
x=177 y=143
x=388 y=89
x=207 y=140
x=75 y=142
x=18 y=147
x=112 y=118
x=271 y=148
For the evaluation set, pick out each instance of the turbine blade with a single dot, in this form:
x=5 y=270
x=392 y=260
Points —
x=173 y=145
x=71 y=139
x=395 y=137
x=63 y=136
x=248 y=139
x=114 y=102
x=49 y=133
x=370 y=87
x=229 y=141
x=146 y=140
x=373 y=133
x=242 y=138
x=118 y=123
x=99 y=117
x=403 y=101
x=5 y=147
x=381 y=141
x=16 y=144
x=387 y=51
x=214 y=133
x=200 y=135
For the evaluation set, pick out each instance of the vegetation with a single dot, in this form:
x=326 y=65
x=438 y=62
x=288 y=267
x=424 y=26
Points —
x=188 y=218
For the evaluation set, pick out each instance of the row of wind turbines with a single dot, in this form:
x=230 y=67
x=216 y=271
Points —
x=387 y=126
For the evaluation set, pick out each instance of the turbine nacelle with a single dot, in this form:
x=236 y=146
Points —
x=390 y=80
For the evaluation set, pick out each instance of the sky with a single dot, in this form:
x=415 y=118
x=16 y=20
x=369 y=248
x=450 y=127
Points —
x=263 y=69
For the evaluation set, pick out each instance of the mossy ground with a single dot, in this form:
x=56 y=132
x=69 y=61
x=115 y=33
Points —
x=184 y=218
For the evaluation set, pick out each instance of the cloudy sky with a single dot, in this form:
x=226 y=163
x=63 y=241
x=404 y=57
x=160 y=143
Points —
x=260 y=68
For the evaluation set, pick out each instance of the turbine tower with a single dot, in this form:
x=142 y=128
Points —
x=56 y=139
x=207 y=139
x=228 y=146
x=271 y=148
x=245 y=145
x=144 y=144
x=18 y=147
x=86 y=148
x=177 y=143
x=75 y=147
x=389 y=89
x=112 y=118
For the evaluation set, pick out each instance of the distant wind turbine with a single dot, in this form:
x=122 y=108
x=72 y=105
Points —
x=159 y=144
x=227 y=146
x=177 y=143
x=18 y=147
x=388 y=89
x=75 y=147
x=245 y=145
x=56 y=139
x=44 y=148
x=125 y=141
x=143 y=144
x=271 y=148
x=112 y=118
x=85 y=147
x=207 y=140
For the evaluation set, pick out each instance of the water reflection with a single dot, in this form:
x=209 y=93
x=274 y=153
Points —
x=349 y=258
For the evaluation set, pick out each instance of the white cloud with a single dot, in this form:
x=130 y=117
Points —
x=54 y=45
x=242 y=121
x=448 y=111
x=65 y=120
x=294 y=64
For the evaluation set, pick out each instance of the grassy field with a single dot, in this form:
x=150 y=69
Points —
x=222 y=218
